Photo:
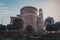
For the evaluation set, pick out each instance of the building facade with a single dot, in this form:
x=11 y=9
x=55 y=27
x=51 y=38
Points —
x=29 y=16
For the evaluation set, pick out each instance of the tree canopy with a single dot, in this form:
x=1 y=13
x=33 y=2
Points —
x=18 y=23
x=49 y=21
x=29 y=28
x=57 y=25
x=2 y=27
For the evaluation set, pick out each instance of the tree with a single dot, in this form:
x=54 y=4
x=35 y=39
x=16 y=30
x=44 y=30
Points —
x=18 y=24
x=57 y=26
x=10 y=27
x=29 y=29
x=49 y=23
x=2 y=28
x=50 y=28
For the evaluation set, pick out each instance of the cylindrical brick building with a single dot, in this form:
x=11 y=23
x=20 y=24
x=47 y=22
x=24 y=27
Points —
x=29 y=15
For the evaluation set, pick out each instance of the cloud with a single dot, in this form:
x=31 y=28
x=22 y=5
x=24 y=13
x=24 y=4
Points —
x=5 y=14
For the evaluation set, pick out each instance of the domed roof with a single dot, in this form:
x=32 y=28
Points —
x=29 y=7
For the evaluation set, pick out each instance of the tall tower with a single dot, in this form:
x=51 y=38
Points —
x=41 y=17
x=41 y=13
x=40 y=21
x=29 y=15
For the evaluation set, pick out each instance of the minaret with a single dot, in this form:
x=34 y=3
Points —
x=41 y=13
x=40 y=22
x=41 y=18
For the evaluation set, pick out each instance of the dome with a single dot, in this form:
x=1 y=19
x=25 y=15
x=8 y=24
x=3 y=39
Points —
x=28 y=9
